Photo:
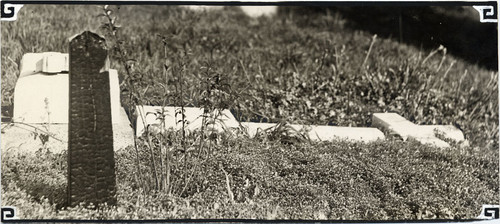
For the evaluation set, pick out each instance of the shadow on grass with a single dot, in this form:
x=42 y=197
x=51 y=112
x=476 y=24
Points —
x=456 y=28
x=41 y=175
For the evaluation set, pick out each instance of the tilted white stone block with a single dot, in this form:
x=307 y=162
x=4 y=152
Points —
x=151 y=117
x=47 y=62
x=43 y=97
x=426 y=134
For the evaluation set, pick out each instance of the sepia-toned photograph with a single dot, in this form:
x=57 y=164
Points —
x=249 y=111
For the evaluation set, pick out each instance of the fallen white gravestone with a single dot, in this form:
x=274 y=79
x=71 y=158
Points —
x=426 y=134
x=320 y=132
x=41 y=104
x=148 y=117
x=330 y=133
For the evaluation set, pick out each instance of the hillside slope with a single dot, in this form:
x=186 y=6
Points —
x=298 y=68
x=291 y=68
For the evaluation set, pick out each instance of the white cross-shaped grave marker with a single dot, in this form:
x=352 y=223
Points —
x=425 y=134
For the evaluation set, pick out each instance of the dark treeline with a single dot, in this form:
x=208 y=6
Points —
x=457 y=28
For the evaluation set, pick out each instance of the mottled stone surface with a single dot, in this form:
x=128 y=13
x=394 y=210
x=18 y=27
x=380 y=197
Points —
x=91 y=165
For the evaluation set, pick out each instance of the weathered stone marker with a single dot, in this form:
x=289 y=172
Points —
x=91 y=165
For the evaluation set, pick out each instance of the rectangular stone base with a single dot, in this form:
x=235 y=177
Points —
x=23 y=137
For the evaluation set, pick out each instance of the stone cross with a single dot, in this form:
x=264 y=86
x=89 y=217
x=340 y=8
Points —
x=425 y=134
x=91 y=163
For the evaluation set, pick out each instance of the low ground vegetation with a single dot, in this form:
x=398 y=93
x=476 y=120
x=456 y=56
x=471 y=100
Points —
x=309 y=69
x=269 y=180
x=304 y=69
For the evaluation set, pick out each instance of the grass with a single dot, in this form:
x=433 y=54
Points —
x=268 y=180
x=308 y=69
x=300 y=72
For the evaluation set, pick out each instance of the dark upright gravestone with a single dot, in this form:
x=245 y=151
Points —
x=91 y=165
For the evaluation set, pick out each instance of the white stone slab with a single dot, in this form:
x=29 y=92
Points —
x=20 y=137
x=330 y=133
x=147 y=116
x=227 y=122
x=41 y=97
x=425 y=134
x=320 y=132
